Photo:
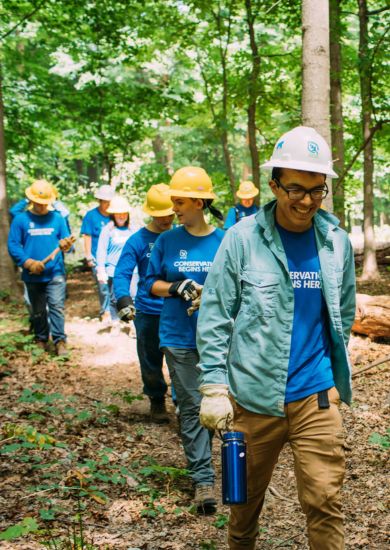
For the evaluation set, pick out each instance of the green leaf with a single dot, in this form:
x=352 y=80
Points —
x=28 y=525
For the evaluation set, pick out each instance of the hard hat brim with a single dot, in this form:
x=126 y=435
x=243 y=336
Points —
x=251 y=195
x=38 y=200
x=299 y=165
x=116 y=211
x=192 y=194
x=157 y=213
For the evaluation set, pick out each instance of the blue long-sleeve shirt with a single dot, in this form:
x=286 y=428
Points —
x=237 y=213
x=178 y=255
x=57 y=205
x=136 y=253
x=34 y=236
x=110 y=245
x=92 y=224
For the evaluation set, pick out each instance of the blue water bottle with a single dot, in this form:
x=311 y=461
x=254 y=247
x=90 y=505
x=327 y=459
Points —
x=234 y=489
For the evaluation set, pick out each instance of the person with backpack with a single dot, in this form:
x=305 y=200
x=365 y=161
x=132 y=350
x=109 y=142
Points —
x=246 y=207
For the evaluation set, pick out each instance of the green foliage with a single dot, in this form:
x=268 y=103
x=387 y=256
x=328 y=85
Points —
x=28 y=525
x=127 y=396
x=220 y=521
x=383 y=441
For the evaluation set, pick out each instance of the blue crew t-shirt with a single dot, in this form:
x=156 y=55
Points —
x=93 y=223
x=237 y=213
x=178 y=255
x=136 y=253
x=33 y=236
x=310 y=368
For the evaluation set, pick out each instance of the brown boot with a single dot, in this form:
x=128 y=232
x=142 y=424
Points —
x=41 y=344
x=158 y=412
x=61 y=350
x=205 y=501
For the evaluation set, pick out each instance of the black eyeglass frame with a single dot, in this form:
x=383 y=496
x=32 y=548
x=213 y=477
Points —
x=303 y=192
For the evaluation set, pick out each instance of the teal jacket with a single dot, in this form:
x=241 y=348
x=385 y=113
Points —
x=245 y=320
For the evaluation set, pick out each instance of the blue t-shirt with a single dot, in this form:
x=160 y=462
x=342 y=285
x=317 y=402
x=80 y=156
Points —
x=310 y=368
x=112 y=239
x=33 y=236
x=93 y=223
x=136 y=253
x=178 y=255
x=237 y=212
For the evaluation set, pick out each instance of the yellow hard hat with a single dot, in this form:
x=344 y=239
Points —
x=118 y=205
x=41 y=192
x=158 y=201
x=192 y=182
x=247 y=190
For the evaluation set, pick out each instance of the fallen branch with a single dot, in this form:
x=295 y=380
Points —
x=285 y=541
x=276 y=494
x=371 y=365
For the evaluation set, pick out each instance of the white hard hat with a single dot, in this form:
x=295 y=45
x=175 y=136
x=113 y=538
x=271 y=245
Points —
x=104 y=193
x=118 y=205
x=302 y=148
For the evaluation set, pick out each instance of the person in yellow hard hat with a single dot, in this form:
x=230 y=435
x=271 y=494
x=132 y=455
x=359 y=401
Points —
x=147 y=309
x=34 y=235
x=179 y=263
x=111 y=241
x=246 y=207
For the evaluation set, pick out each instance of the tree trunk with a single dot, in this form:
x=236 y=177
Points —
x=316 y=74
x=253 y=93
x=7 y=271
x=370 y=266
x=372 y=315
x=159 y=150
x=336 y=107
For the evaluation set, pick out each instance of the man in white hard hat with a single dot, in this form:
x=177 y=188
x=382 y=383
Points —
x=246 y=206
x=276 y=314
x=93 y=222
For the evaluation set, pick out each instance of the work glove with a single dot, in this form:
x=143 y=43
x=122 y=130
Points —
x=66 y=244
x=126 y=309
x=35 y=267
x=102 y=276
x=187 y=289
x=216 y=411
x=195 y=305
x=90 y=261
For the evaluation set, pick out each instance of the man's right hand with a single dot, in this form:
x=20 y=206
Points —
x=126 y=309
x=35 y=267
x=216 y=410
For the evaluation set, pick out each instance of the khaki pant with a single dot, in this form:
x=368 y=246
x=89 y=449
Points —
x=316 y=440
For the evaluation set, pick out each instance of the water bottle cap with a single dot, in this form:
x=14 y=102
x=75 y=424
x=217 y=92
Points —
x=233 y=435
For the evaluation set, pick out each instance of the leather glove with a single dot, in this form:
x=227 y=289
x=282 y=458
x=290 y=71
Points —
x=187 y=289
x=35 y=267
x=66 y=244
x=126 y=309
x=102 y=276
x=216 y=411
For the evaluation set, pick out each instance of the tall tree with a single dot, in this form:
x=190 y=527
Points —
x=315 y=71
x=7 y=272
x=253 y=94
x=336 y=106
x=370 y=266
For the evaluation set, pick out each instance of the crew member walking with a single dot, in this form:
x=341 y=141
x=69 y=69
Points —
x=179 y=263
x=147 y=310
x=246 y=207
x=277 y=311
x=34 y=235
x=93 y=222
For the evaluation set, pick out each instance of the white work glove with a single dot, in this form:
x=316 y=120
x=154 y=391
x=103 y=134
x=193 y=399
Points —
x=187 y=289
x=216 y=411
x=102 y=276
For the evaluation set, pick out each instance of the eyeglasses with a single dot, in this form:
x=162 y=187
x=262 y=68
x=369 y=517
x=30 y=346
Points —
x=298 y=193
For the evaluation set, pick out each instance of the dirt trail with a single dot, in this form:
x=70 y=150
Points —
x=158 y=516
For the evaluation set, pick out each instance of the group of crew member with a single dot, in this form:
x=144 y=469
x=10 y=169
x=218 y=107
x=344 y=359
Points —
x=265 y=355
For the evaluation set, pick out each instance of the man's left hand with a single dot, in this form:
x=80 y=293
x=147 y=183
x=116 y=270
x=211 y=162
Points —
x=66 y=244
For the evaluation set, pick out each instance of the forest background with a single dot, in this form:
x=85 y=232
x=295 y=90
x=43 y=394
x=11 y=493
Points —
x=127 y=91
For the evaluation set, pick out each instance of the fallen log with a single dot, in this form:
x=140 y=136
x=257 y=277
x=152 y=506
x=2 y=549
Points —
x=371 y=366
x=372 y=316
x=382 y=254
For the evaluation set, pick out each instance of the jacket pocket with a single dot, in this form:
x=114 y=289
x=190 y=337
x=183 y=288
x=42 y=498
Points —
x=259 y=293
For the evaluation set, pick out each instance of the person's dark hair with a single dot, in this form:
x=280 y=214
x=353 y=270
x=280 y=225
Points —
x=207 y=203
x=112 y=217
x=276 y=173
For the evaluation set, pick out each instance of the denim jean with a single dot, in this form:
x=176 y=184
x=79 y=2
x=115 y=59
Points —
x=184 y=372
x=104 y=293
x=112 y=299
x=48 y=303
x=150 y=356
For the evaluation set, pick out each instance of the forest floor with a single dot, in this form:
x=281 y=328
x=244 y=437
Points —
x=82 y=466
